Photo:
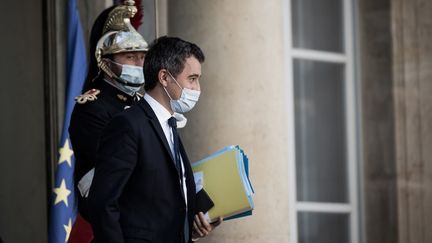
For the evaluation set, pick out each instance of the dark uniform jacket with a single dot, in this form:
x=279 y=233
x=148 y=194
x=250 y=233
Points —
x=136 y=193
x=86 y=125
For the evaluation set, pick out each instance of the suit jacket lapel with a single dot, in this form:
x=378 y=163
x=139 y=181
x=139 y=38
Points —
x=156 y=126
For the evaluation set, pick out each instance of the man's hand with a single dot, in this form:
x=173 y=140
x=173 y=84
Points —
x=201 y=228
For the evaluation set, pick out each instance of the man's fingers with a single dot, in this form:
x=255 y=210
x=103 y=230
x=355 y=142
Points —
x=204 y=222
x=202 y=227
x=197 y=229
x=217 y=223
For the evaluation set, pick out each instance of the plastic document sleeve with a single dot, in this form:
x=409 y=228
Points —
x=226 y=183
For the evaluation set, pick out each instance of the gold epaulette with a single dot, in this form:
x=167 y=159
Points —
x=90 y=95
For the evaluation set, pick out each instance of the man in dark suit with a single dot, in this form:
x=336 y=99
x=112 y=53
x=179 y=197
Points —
x=143 y=188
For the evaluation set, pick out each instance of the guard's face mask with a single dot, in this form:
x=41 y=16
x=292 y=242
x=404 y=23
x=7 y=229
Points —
x=131 y=74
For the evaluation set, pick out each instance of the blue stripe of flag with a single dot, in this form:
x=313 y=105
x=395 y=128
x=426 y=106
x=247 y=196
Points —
x=61 y=214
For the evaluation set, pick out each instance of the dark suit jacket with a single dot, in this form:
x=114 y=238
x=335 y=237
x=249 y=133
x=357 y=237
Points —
x=136 y=194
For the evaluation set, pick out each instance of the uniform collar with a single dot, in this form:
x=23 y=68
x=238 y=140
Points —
x=115 y=94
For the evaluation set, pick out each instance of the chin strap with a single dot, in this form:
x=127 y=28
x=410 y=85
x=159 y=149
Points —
x=124 y=82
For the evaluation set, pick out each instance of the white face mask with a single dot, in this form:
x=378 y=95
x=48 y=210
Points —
x=181 y=120
x=187 y=100
x=131 y=74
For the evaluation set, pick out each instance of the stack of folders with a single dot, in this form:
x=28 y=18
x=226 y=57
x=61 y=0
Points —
x=224 y=176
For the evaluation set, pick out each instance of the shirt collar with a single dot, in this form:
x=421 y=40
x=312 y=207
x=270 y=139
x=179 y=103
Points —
x=161 y=112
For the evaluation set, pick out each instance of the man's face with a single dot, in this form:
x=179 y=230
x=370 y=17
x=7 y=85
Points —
x=188 y=78
x=130 y=58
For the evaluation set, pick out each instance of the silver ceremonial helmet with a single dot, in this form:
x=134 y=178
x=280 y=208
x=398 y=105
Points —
x=119 y=36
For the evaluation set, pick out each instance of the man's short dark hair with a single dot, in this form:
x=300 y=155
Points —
x=168 y=53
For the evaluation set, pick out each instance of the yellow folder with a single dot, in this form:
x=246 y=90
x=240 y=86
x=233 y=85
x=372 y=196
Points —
x=225 y=180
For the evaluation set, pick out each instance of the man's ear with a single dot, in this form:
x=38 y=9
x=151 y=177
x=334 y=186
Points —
x=107 y=61
x=163 y=77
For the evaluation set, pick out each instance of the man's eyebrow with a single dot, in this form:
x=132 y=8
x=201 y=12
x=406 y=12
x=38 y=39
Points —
x=194 y=75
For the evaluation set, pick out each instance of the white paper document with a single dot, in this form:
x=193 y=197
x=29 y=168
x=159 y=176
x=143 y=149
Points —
x=85 y=183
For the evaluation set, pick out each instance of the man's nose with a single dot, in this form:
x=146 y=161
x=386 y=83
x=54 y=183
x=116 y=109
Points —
x=139 y=63
x=198 y=86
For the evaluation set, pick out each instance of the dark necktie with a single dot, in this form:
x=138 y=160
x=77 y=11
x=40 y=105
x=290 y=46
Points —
x=172 y=122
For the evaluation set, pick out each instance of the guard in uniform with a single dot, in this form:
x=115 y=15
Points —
x=115 y=76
